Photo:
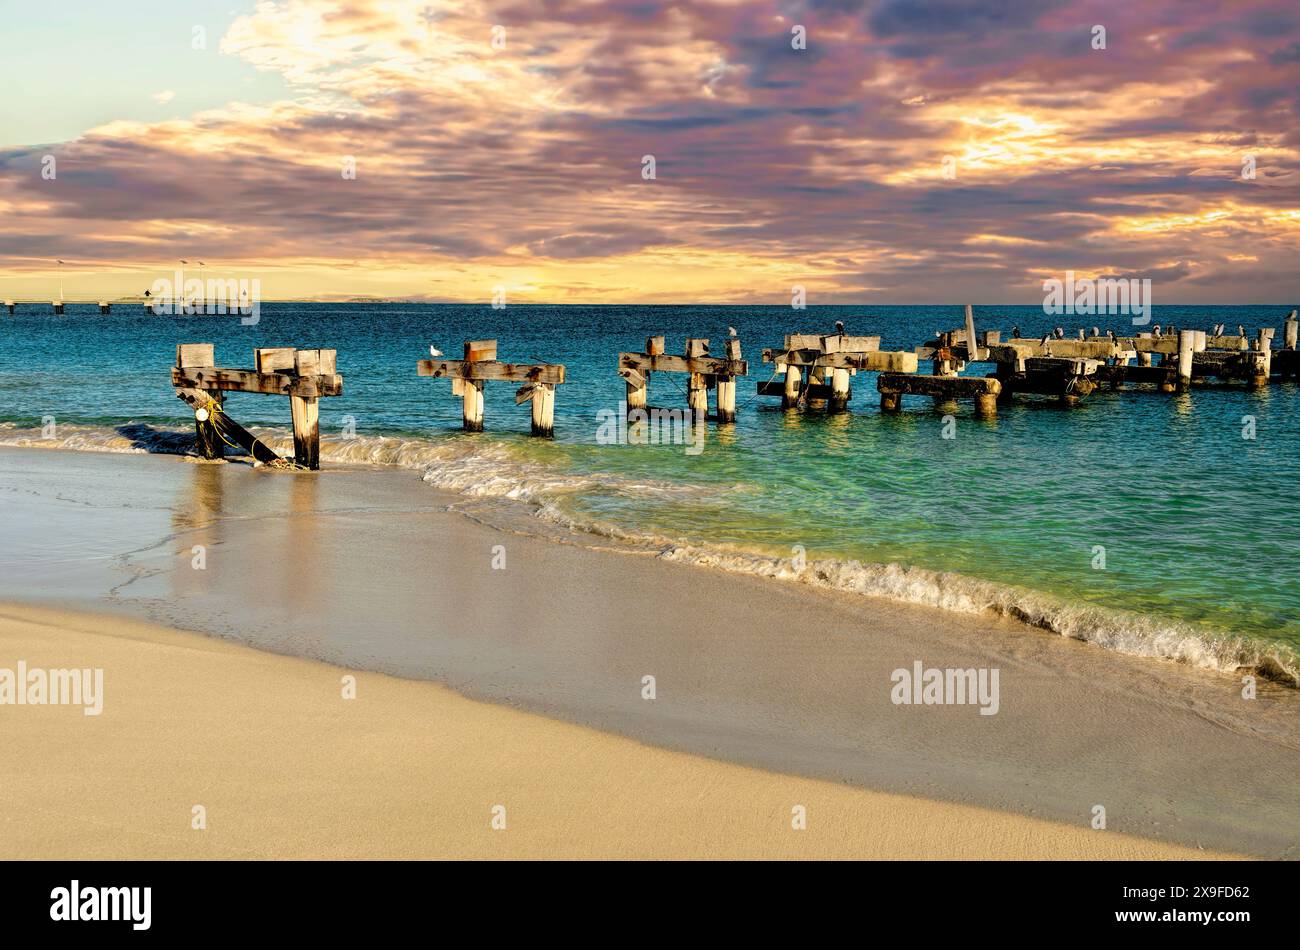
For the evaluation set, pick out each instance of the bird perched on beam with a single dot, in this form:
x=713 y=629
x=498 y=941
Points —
x=839 y=327
x=435 y=352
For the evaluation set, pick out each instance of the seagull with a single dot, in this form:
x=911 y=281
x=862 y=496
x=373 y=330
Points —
x=731 y=332
x=1060 y=333
x=1046 y=337
x=1111 y=334
x=1096 y=331
x=1241 y=330
x=1155 y=330
x=1015 y=333
x=435 y=352
x=839 y=327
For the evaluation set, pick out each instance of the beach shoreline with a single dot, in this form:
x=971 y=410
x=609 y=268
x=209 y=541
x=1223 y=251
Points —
x=368 y=570
x=210 y=750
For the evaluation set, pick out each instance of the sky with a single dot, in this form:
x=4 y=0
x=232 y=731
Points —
x=635 y=151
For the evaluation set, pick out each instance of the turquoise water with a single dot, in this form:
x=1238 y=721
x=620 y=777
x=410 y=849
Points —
x=1197 y=524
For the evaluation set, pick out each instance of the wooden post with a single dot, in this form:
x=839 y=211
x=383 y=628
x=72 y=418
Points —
x=986 y=405
x=1264 y=367
x=793 y=385
x=727 y=386
x=208 y=442
x=839 y=390
x=637 y=387
x=544 y=410
x=1186 y=347
x=58 y=308
x=817 y=376
x=697 y=397
x=105 y=307
x=1290 y=331
x=472 y=413
x=9 y=305
x=726 y=399
x=890 y=402
x=972 y=341
x=305 y=411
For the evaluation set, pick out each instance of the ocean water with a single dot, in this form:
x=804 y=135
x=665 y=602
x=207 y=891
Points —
x=1196 y=524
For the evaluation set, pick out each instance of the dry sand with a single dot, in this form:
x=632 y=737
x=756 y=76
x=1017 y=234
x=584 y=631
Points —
x=287 y=768
x=366 y=569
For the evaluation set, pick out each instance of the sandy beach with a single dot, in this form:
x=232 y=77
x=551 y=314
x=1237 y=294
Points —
x=768 y=695
x=285 y=767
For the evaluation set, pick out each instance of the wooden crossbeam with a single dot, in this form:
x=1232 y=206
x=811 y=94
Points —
x=667 y=363
x=813 y=391
x=1165 y=376
x=1062 y=365
x=951 y=387
x=251 y=381
x=552 y=373
x=1013 y=351
x=880 y=361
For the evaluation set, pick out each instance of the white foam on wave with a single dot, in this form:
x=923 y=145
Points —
x=482 y=468
x=1117 y=630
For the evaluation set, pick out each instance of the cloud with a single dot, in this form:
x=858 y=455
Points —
x=477 y=165
x=164 y=97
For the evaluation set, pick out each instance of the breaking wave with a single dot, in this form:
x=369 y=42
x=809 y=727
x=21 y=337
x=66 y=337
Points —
x=485 y=469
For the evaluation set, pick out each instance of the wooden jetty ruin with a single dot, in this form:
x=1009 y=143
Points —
x=480 y=364
x=705 y=372
x=303 y=375
x=817 y=368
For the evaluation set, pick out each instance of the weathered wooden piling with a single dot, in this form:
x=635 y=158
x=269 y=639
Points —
x=58 y=307
x=105 y=307
x=9 y=305
x=704 y=372
x=830 y=361
x=726 y=385
x=469 y=376
x=1187 y=346
x=983 y=390
x=302 y=375
x=1056 y=367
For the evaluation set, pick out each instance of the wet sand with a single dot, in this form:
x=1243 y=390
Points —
x=365 y=569
x=282 y=766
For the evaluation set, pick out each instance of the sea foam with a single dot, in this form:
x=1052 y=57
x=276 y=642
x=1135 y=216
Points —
x=488 y=469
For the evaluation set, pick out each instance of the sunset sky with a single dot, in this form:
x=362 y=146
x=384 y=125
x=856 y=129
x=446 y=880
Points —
x=520 y=164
